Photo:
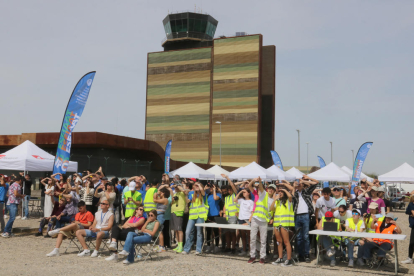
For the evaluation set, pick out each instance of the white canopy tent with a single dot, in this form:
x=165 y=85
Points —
x=281 y=175
x=331 y=172
x=191 y=170
x=350 y=172
x=29 y=157
x=295 y=172
x=251 y=171
x=217 y=171
x=402 y=174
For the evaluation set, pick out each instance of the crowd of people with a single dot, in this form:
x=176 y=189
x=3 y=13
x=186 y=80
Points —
x=88 y=205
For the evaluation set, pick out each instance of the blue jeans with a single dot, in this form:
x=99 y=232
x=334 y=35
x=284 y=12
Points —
x=351 y=246
x=13 y=212
x=160 y=218
x=60 y=223
x=189 y=235
x=133 y=239
x=384 y=248
x=327 y=244
x=26 y=206
x=303 y=243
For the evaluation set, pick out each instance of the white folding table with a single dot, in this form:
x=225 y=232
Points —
x=394 y=237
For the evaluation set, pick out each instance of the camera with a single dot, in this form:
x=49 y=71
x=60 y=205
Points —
x=367 y=216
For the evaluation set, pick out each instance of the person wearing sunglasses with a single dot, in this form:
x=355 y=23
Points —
x=120 y=233
x=342 y=214
x=148 y=232
x=104 y=220
x=354 y=224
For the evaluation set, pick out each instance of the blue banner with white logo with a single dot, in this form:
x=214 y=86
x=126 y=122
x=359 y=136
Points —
x=167 y=157
x=323 y=164
x=276 y=160
x=71 y=117
x=359 y=161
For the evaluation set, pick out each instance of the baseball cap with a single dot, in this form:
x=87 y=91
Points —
x=329 y=214
x=193 y=179
x=373 y=205
x=375 y=188
x=390 y=215
x=273 y=186
x=132 y=186
x=381 y=189
x=356 y=210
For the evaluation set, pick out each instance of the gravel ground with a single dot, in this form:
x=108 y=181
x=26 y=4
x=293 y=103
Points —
x=25 y=255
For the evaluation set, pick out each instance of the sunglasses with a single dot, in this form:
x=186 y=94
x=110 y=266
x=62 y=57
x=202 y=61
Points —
x=355 y=213
x=341 y=212
x=104 y=204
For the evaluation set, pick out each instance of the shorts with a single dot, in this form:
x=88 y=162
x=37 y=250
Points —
x=243 y=221
x=176 y=222
x=71 y=233
x=160 y=218
x=90 y=234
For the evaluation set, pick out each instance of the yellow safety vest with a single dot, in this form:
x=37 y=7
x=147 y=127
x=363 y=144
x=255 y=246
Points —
x=130 y=206
x=261 y=210
x=352 y=226
x=338 y=222
x=149 y=203
x=231 y=206
x=368 y=226
x=283 y=215
x=199 y=210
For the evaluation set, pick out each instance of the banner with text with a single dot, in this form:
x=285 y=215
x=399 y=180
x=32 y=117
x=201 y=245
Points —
x=167 y=157
x=359 y=161
x=276 y=160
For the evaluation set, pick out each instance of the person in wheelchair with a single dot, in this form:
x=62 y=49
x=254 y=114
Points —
x=382 y=246
x=330 y=242
x=354 y=224
x=148 y=232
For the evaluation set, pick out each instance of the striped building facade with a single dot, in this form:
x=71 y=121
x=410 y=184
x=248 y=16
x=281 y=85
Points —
x=189 y=90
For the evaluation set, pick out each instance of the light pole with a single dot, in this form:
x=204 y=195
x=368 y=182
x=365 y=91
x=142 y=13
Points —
x=218 y=122
x=353 y=159
x=307 y=157
x=331 y=152
x=298 y=147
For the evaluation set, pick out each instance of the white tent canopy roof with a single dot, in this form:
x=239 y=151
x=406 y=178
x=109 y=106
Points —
x=295 y=172
x=404 y=173
x=251 y=171
x=331 y=172
x=282 y=175
x=350 y=172
x=217 y=171
x=191 y=170
x=27 y=156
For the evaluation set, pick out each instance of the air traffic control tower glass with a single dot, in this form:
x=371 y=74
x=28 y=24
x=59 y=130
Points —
x=190 y=25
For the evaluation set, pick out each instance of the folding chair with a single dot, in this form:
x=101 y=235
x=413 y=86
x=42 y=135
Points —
x=73 y=240
x=151 y=245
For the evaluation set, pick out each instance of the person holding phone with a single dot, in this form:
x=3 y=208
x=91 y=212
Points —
x=132 y=199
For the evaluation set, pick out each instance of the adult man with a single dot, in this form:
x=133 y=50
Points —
x=58 y=207
x=149 y=203
x=329 y=241
x=303 y=209
x=132 y=199
x=231 y=211
x=3 y=191
x=324 y=204
x=354 y=224
x=13 y=202
x=342 y=214
x=338 y=195
x=83 y=220
x=27 y=191
x=177 y=212
x=104 y=219
x=259 y=222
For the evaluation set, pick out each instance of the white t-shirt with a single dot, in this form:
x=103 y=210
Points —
x=302 y=206
x=324 y=206
x=348 y=214
x=102 y=219
x=246 y=208
x=360 y=228
x=269 y=203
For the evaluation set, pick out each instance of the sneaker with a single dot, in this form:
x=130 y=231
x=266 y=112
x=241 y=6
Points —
x=262 y=261
x=243 y=253
x=408 y=261
x=54 y=253
x=5 y=216
x=18 y=217
x=333 y=263
x=179 y=250
x=207 y=249
x=197 y=253
x=123 y=253
x=183 y=252
x=360 y=262
x=113 y=246
x=126 y=262
x=24 y=218
x=94 y=254
x=38 y=234
x=161 y=249
x=287 y=263
x=307 y=259
x=84 y=253
x=301 y=259
x=113 y=257
x=5 y=235
x=251 y=260
x=278 y=261
x=351 y=263
x=330 y=252
x=54 y=233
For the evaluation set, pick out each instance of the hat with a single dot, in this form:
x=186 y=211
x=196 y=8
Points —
x=356 y=210
x=273 y=186
x=373 y=205
x=193 y=179
x=375 y=188
x=390 y=215
x=329 y=214
x=381 y=189
x=132 y=186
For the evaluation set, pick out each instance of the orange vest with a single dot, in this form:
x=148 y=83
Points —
x=388 y=230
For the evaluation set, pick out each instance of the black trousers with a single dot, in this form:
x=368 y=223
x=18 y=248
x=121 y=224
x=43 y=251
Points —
x=166 y=233
x=210 y=231
x=185 y=222
x=120 y=234
x=411 y=246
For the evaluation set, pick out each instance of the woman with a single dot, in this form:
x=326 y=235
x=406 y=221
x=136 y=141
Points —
x=246 y=203
x=50 y=187
x=108 y=193
x=147 y=233
x=86 y=194
x=373 y=214
x=283 y=219
x=161 y=199
x=374 y=197
x=410 y=212
x=359 y=202
x=120 y=233
x=198 y=214
x=214 y=199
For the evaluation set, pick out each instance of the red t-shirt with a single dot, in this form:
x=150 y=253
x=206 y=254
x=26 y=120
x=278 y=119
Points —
x=84 y=218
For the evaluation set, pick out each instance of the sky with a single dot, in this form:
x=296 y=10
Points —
x=344 y=69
